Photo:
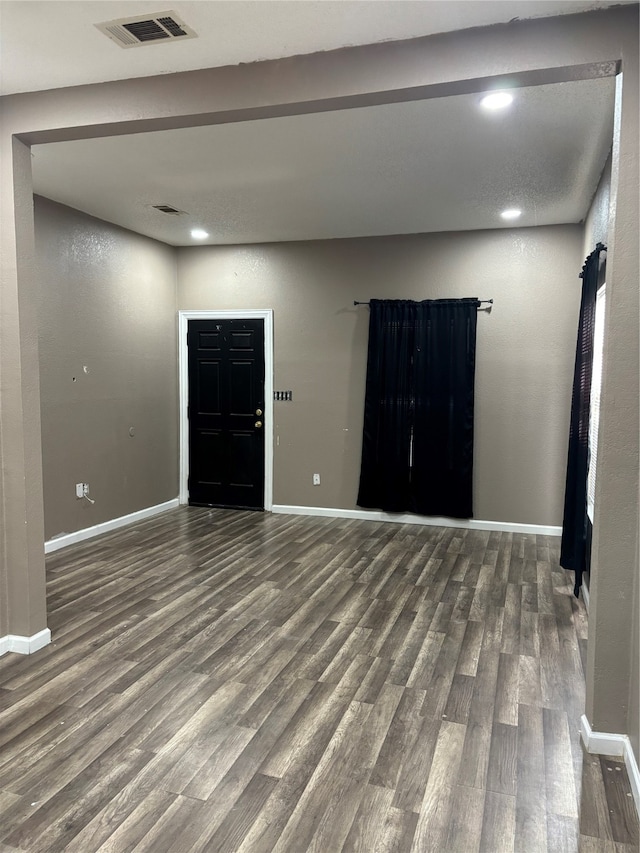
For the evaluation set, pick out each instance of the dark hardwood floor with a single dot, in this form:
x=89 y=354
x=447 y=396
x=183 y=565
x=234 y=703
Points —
x=230 y=681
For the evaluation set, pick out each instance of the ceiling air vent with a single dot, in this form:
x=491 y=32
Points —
x=167 y=208
x=147 y=29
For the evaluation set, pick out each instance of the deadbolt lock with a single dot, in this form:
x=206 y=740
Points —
x=258 y=412
x=258 y=424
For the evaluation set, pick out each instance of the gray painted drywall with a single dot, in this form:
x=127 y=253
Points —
x=596 y=224
x=634 y=682
x=626 y=642
x=525 y=350
x=23 y=609
x=107 y=341
x=614 y=567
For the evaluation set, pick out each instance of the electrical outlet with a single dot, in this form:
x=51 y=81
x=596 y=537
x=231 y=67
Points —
x=82 y=490
x=316 y=479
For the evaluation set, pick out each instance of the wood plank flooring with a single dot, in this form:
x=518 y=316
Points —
x=228 y=681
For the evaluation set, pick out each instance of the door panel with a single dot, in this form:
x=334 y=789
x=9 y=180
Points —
x=242 y=382
x=208 y=396
x=242 y=457
x=226 y=436
x=209 y=340
x=242 y=341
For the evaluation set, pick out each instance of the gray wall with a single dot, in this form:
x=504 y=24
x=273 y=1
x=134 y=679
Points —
x=106 y=301
x=626 y=645
x=610 y=656
x=596 y=223
x=525 y=350
x=634 y=683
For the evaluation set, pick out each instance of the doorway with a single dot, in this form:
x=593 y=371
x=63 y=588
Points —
x=226 y=378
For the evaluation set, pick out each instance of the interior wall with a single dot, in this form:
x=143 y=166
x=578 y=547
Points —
x=634 y=681
x=107 y=340
x=596 y=223
x=525 y=350
x=23 y=608
x=614 y=562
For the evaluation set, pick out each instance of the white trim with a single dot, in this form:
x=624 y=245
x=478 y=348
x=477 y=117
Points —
x=601 y=743
x=608 y=743
x=258 y=314
x=585 y=595
x=25 y=645
x=595 y=398
x=409 y=518
x=113 y=524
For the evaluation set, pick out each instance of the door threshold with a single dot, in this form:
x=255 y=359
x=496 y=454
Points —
x=227 y=506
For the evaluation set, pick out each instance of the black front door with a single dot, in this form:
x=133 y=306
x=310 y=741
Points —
x=226 y=413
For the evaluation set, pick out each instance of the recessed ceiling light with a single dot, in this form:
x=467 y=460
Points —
x=512 y=213
x=496 y=100
x=199 y=234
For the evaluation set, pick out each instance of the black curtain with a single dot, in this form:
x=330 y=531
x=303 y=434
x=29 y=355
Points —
x=417 y=448
x=385 y=481
x=444 y=395
x=575 y=523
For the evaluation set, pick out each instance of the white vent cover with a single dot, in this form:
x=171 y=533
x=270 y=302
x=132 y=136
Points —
x=167 y=208
x=158 y=28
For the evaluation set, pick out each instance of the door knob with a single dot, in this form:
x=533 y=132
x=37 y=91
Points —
x=258 y=424
x=258 y=412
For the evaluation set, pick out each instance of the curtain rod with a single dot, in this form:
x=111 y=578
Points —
x=480 y=302
x=599 y=249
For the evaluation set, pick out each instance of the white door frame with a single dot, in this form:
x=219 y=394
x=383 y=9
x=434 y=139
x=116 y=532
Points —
x=183 y=325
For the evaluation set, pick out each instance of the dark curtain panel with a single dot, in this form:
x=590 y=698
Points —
x=417 y=449
x=573 y=549
x=384 y=473
x=444 y=394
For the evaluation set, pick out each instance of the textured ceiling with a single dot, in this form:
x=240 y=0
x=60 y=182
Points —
x=46 y=44
x=436 y=165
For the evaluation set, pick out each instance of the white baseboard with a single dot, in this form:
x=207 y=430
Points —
x=410 y=518
x=113 y=524
x=608 y=743
x=25 y=645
